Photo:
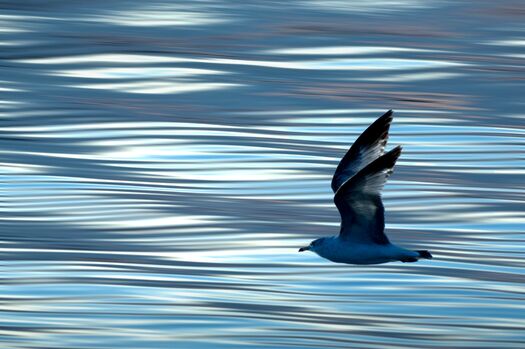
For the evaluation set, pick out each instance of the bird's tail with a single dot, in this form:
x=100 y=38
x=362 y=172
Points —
x=424 y=254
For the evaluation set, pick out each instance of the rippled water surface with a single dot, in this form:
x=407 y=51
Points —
x=162 y=162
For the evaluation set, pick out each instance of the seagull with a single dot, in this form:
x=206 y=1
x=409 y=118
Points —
x=357 y=184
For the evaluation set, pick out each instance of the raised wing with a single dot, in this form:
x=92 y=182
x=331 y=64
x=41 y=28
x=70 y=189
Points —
x=359 y=201
x=368 y=147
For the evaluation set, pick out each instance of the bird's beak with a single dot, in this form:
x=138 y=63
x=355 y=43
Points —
x=302 y=249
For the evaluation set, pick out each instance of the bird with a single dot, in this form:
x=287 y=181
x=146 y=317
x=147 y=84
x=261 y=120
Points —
x=357 y=184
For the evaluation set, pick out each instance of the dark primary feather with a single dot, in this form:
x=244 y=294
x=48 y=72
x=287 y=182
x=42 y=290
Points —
x=359 y=201
x=368 y=147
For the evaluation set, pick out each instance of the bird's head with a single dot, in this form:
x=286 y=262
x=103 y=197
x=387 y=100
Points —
x=314 y=245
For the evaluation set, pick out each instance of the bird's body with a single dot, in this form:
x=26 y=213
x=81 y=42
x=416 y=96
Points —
x=337 y=250
x=357 y=185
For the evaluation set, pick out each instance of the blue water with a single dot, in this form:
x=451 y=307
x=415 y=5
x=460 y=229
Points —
x=163 y=161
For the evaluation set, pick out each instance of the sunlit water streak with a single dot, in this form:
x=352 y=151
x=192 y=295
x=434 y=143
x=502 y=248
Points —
x=162 y=162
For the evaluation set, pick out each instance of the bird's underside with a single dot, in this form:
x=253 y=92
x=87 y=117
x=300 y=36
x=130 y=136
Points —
x=357 y=184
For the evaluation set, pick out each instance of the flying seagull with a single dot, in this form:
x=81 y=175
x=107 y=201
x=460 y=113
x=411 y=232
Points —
x=357 y=184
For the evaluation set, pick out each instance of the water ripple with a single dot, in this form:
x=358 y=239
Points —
x=162 y=162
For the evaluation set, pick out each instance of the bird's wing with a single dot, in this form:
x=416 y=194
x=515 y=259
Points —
x=369 y=146
x=359 y=201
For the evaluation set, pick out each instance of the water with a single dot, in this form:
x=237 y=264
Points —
x=163 y=161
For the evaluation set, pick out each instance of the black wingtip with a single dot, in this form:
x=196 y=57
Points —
x=376 y=129
x=424 y=254
x=385 y=116
x=393 y=154
x=386 y=161
x=397 y=150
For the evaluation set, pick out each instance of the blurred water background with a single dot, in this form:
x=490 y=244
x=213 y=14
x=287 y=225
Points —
x=162 y=162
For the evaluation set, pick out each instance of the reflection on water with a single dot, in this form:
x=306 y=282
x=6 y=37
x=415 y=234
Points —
x=163 y=161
